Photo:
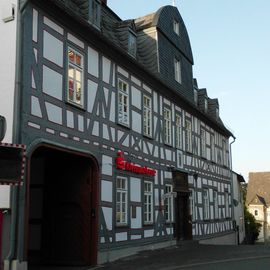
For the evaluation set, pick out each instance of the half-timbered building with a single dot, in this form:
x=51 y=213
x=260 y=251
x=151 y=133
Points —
x=124 y=150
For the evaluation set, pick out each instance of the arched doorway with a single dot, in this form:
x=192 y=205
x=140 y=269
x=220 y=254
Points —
x=62 y=207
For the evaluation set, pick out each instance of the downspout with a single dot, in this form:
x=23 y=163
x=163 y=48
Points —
x=16 y=130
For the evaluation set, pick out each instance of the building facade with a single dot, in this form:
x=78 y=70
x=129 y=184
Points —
x=124 y=150
x=258 y=201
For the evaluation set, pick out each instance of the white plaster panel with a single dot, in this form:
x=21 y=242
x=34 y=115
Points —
x=156 y=196
x=105 y=132
x=156 y=153
x=107 y=212
x=33 y=81
x=168 y=154
x=199 y=194
x=135 y=189
x=75 y=40
x=35 y=26
x=126 y=141
x=136 y=99
x=4 y=196
x=211 y=194
x=135 y=80
x=161 y=177
x=148 y=233
x=53 y=25
x=93 y=62
x=121 y=236
x=96 y=129
x=137 y=222
x=35 y=107
x=92 y=91
x=155 y=102
x=167 y=102
x=106 y=67
x=122 y=71
x=53 y=49
x=168 y=175
x=148 y=89
x=136 y=122
x=107 y=165
x=54 y=113
x=81 y=123
x=190 y=179
x=113 y=134
x=52 y=83
x=156 y=178
x=106 y=191
x=205 y=181
x=135 y=236
x=70 y=119
x=112 y=110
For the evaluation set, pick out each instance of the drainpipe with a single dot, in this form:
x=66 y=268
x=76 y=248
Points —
x=16 y=131
x=232 y=190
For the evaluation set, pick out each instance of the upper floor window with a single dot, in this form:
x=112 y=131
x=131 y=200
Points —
x=205 y=104
x=217 y=112
x=121 y=200
x=167 y=126
x=177 y=70
x=227 y=210
x=215 y=200
x=75 y=77
x=188 y=136
x=256 y=212
x=148 y=202
x=176 y=27
x=206 y=213
x=168 y=204
x=178 y=127
x=212 y=142
x=94 y=12
x=132 y=44
x=147 y=115
x=203 y=143
x=123 y=102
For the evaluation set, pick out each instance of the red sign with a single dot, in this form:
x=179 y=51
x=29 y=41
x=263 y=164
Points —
x=121 y=164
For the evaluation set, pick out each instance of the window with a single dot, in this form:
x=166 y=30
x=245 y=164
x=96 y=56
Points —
x=147 y=116
x=256 y=212
x=132 y=44
x=176 y=27
x=205 y=204
x=188 y=136
x=123 y=102
x=192 y=204
x=212 y=141
x=148 y=202
x=167 y=126
x=168 y=204
x=121 y=201
x=217 y=112
x=227 y=214
x=203 y=143
x=205 y=105
x=178 y=127
x=75 y=77
x=224 y=152
x=94 y=12
x=215 y=199
x=177 y=70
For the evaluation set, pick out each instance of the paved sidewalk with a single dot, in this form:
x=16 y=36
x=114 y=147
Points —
x=181 y=257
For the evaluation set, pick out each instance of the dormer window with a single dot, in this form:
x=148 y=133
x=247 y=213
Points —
x=94 y=12
x=205 y=105
x=176 y=27
x=177 y=70
x=132 y=44
x=217 y=112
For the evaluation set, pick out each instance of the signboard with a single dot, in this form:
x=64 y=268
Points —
x=121 y=164
x=12 y=163
x=180 y=181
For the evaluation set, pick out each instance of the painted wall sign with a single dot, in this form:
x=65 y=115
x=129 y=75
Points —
x=121 y=164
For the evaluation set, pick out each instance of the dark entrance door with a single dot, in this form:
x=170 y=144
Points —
x=183 y=223
x=62 y=218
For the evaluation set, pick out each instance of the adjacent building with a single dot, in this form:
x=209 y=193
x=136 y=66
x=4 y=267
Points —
x=258 y=201
x=124 y=151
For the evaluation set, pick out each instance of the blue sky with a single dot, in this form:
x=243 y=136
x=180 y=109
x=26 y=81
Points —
x=230 y=40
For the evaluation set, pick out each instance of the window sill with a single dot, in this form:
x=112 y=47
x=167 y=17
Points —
x=75 y=105
x=127 y=126
x=148 y=224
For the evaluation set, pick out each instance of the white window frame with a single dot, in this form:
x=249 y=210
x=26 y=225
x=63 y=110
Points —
x=148 y=203
x=168 y=205
x=176 y=27
x=95 y=12
x=188 y=137
x=132 y=44
x=178 y=131
x=123 y=102
x=75 y=78
x=206 y=208
x=177 y=70
x=215 y=201
x=192 y=208
x=147 y=115
x=227 y=203
x=203 y=143
x=121 y=201
x=206 y=104
x=167 y=126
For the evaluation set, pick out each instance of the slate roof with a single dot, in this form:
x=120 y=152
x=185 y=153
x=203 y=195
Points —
x=258 y=187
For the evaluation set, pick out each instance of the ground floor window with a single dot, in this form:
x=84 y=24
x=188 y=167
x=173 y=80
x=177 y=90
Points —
x=148 y=202
x=121 y=200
